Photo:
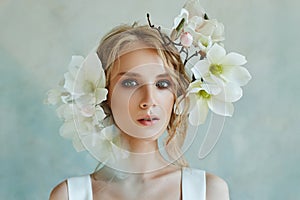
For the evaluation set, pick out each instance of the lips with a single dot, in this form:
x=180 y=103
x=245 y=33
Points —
x=148 y=120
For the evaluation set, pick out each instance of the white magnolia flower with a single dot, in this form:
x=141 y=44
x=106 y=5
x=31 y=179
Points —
x=191 y=9
x=79 y=107
x=205 y=96
x=200 y=25
x=70 y=76
x=105 y=145
x=222 y=68
x=209 y=28
x=217 y=33
x=86 y=77
x=69 y=131
x=200 y=40
x=79 y=99
x=75 y=124
x=192 y=19
x=205 y=32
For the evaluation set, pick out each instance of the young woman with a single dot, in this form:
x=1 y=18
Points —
x=144 y=78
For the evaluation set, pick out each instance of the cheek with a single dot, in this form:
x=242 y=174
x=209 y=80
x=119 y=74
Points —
x=121 y=103
x=167 y=101
x=118 y=100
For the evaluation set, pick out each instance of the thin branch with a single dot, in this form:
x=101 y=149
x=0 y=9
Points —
x=167 y=41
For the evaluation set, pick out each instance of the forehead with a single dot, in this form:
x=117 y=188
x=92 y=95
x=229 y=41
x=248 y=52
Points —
x=144 y=60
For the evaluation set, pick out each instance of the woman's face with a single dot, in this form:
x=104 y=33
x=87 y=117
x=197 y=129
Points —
x=141 y=94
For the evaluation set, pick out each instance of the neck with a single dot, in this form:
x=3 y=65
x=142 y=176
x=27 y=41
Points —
x=144 y=155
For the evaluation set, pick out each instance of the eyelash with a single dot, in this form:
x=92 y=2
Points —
x=161 y=84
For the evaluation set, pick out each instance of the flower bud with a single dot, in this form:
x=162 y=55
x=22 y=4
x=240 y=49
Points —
x=186 y=39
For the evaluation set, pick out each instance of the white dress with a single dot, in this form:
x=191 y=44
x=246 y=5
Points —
x=193 y=185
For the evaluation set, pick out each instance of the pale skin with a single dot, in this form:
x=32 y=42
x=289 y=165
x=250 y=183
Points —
x=144 y=90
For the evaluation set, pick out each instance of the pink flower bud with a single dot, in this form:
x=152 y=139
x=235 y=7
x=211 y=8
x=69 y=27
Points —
x=186 y=39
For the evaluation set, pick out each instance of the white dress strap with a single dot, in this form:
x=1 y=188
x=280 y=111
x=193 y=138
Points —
x=80 y=188
x=193 y=184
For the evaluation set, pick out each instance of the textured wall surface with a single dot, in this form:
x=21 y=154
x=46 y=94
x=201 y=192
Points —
x=258 y=151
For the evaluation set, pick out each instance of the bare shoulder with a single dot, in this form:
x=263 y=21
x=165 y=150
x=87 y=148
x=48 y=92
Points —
x=216 y=188
x=60 y=192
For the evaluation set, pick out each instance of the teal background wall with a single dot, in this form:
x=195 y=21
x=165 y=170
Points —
x=258 y=151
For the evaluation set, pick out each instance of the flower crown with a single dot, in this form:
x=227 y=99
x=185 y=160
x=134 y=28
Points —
x=217 y=80
x=217 y=76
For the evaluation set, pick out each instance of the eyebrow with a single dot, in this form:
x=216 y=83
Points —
x=133 y=74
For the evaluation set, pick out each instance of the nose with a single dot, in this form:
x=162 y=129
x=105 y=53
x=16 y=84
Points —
x=148 y=96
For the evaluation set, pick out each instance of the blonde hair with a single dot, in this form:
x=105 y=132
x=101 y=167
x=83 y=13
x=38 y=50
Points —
x=124 y=38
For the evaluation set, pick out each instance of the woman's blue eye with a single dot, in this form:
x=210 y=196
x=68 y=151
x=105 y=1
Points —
x=129 y=83
x=163 y=84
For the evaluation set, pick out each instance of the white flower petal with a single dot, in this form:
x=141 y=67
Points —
x=87 y=110
x=218 y=34
x=105 y=144
x=100 y=94
x=195 y=90
x=192 y=99
x=236 y=74
x=86 y=105
x=230 y=93
x=215 y=54
x=232 y=59
x=86 y=126
x=76 y=61
x=74 y=64
x=69 y=82
x=65 y=112
x=194 y=8
x=213 y=29
x=212 y=89
x=194 y=22
x=72 y=74
x=99 y=114
x=102 y=78
x=92 y=68
x=74 y=85
x=183 y=14
x=89 y=76
x=195 y=86
x=85 y=100
x=204 y=43
x=199 y=113
x=212 y=79
x=201 y=68
x=68 y=129
x=220 y=107
x=208 y=27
